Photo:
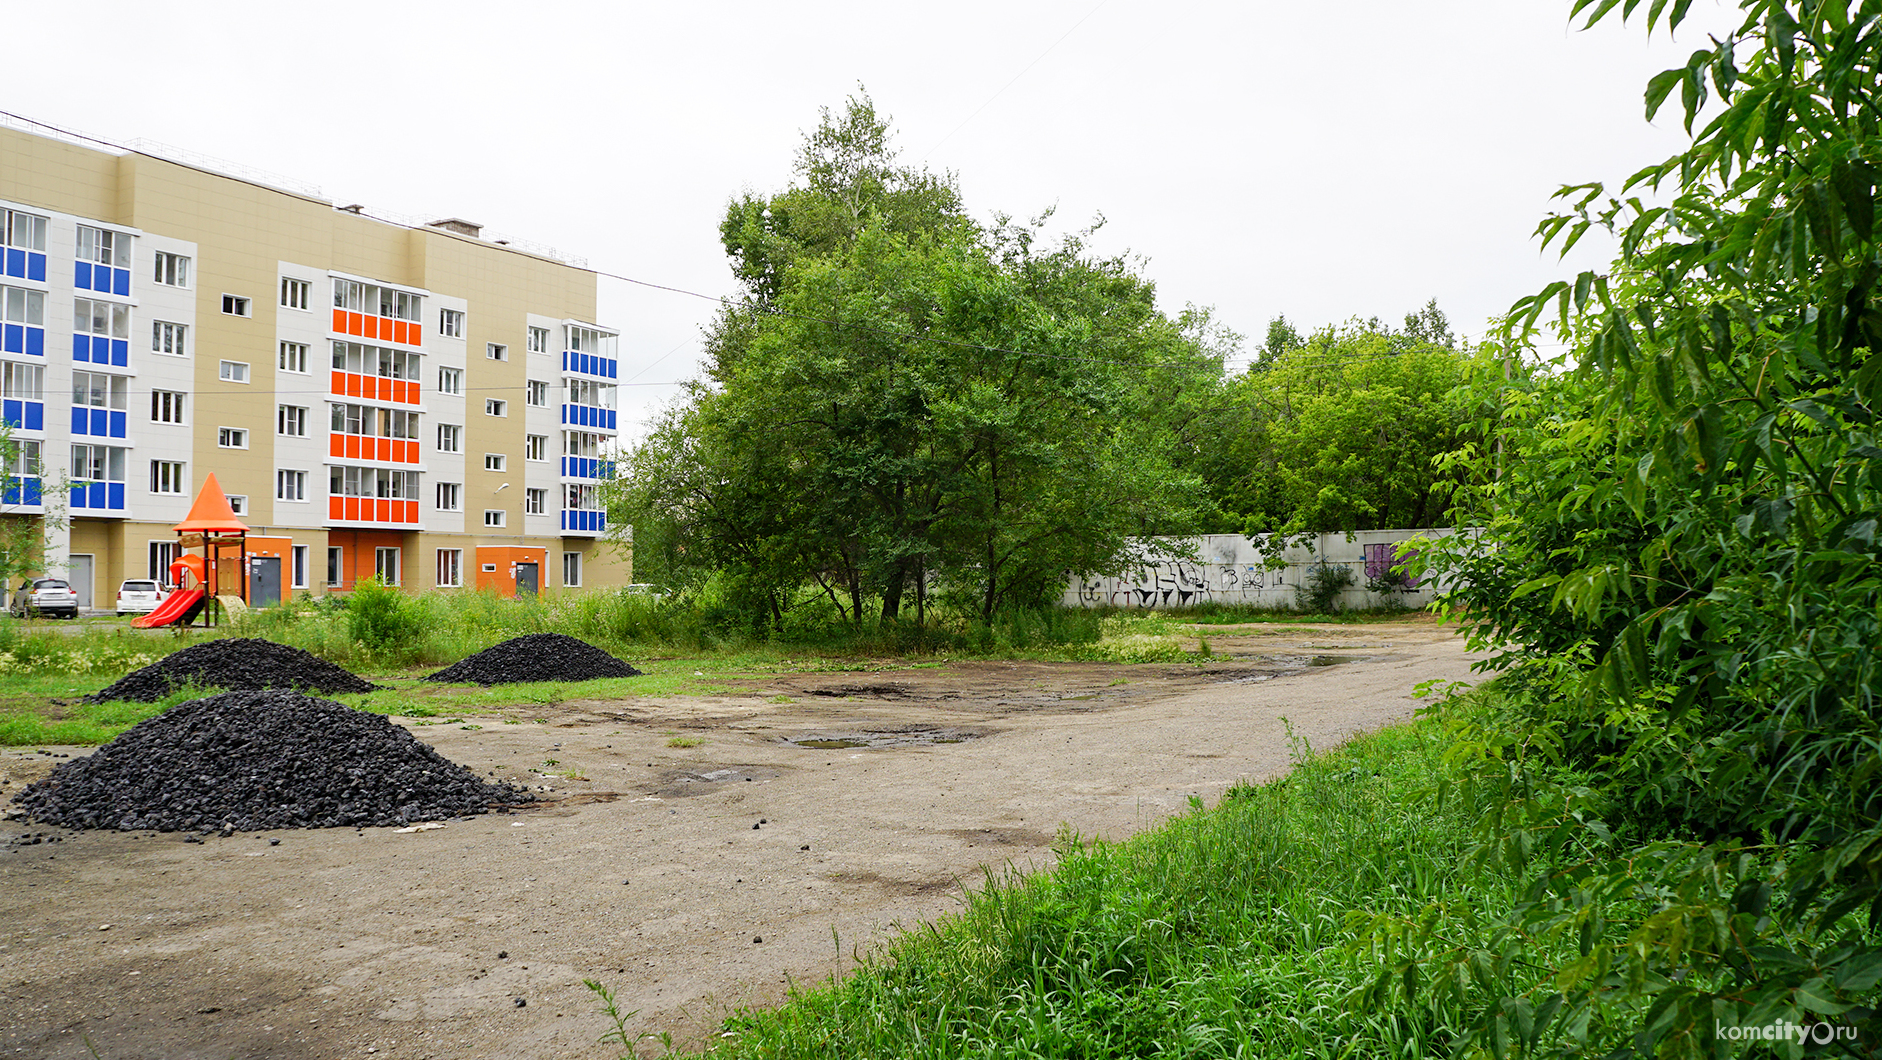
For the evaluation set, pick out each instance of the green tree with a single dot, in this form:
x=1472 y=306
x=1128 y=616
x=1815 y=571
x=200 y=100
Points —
x=1681 y=558
x=905 y=398
x=1340 y=432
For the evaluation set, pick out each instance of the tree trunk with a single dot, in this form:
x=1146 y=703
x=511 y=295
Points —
x=892 y=593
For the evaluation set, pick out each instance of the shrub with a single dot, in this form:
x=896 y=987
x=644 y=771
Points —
x=1320 y=593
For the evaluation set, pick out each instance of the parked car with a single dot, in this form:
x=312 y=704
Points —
x=139 y=596
x=45 y=596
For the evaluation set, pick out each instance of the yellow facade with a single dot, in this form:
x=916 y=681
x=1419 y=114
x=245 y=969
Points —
x=233 y=349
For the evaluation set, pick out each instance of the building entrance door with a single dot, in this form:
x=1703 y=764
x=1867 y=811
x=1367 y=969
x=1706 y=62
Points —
x=526 y=574
x=264 y=581
x=81 y=581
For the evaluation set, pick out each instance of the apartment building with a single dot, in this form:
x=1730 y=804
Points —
x=416 y=403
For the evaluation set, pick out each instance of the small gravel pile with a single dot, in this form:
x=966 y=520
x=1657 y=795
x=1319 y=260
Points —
x=243 y=761
x=536 y=657
x=245 y=663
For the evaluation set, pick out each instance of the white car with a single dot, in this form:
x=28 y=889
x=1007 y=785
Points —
x=139 y=596
x=45 y=596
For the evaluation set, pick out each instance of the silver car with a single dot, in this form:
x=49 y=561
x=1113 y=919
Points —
x=45 y=596
x=139 y=596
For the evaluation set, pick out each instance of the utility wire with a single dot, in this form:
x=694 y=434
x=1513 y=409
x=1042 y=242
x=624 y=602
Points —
x=1015 y=80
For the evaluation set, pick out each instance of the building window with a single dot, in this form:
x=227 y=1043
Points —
x=494 y=461
x=101 y=247
x=97 y=390
x=336 y=565
x=294 y=357
x=166 y=406
x=450 y=380
x=290 y=485
x=22 y=382
x=173 y=270
x=450 y=496
x=451 y=323
x=168 y=477
x=296 y=294
x=238 y=503
x=233 y=372
x=25 y=307
x=571 y=568
x=450 y=568
x=535 y=501
x=385 y=563
x=162 y=554
x=92 y=317
x=535 y=447
x=496 y=351
x=299 y=553
x=359 y=297
x=450 y=438
x=235 y=305
x=166 y=337
x=291 y=420
x=538 y=340
x=372 y=422
x=232 y=437
x=23 y=231
x=537 y=394
x=494 y=517
x=496 y=407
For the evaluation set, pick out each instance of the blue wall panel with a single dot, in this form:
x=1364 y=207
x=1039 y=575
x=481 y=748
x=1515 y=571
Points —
x=81 y=275
x=36 y=341
x=35 y=415
x=36 y=270
x=80 y=420
x=117 y=496
x=15 y=340
x=121 y=284
x=12 y=413
x=16 y=263
x=81 y=347
x=118 y=425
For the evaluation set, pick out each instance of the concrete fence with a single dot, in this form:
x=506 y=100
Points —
x=1232 y=570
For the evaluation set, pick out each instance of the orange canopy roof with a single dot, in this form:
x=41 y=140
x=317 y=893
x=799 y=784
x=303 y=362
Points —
x=211 y=512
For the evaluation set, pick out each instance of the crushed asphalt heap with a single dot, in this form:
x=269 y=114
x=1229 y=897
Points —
x=245 y=761
x=245 y=663
x=535 y=657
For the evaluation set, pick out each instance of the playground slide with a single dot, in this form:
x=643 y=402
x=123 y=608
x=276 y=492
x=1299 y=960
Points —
x=180 y=606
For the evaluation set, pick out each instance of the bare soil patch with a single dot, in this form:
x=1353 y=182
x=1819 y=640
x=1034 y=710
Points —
x=693 y=879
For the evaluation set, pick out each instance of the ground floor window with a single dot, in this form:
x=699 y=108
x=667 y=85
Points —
x=162 y=554
x=450 y=568
x=299 y=553
x=336 y=565
x=571 y=568
x=386 y=565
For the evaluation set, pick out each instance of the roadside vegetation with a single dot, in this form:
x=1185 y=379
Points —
x=1659 y=833
x=689 y=644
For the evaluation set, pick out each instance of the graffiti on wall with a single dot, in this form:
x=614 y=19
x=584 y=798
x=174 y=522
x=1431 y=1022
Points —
x=1186 y=584
x=1225 y=576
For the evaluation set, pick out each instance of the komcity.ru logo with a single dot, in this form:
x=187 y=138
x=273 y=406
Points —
x=1786 y=1031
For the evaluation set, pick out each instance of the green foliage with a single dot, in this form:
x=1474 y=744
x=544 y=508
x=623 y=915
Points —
x=1680 y=557
x=1320 y=593
x=906 y=400
x=383 y=621
x=1229 y=931
x=1340 y=432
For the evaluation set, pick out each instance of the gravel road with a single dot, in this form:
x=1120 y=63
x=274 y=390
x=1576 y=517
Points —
x=692 y=879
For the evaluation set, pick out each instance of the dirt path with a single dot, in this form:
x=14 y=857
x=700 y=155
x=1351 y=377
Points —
x=692 y=880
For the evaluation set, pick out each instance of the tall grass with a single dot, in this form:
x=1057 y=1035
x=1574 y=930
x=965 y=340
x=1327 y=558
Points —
x=1231 y=931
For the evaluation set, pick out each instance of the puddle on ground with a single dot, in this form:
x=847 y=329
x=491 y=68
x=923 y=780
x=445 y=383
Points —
x=898 y=736
x=1293 y=664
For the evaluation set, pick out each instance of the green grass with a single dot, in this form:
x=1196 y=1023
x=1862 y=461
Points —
x=1230 y=931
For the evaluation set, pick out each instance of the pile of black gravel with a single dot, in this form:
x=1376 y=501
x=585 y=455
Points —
x=535 y=657
x=244 y=761
x=237 y=663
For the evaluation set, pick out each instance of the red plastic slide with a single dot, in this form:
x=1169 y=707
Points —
x=180 y=606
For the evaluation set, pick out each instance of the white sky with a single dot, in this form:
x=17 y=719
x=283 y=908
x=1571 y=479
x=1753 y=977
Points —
x=1323 y=160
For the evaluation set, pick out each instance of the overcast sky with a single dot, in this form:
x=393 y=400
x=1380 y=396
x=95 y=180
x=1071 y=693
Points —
x=1322 y=160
